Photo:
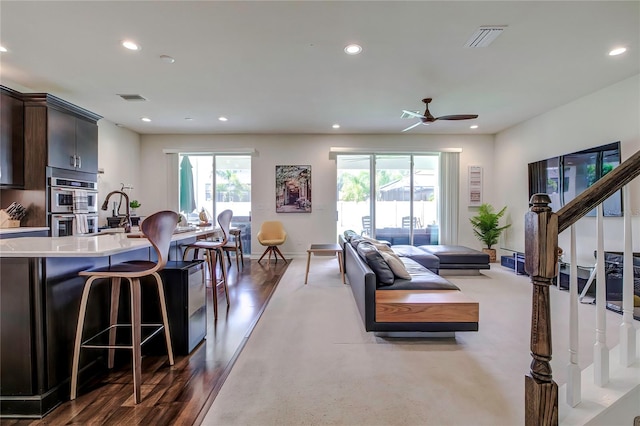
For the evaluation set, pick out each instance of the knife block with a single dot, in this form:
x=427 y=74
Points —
x=6 y=221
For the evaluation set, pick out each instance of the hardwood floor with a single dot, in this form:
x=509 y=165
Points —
x=182 y=394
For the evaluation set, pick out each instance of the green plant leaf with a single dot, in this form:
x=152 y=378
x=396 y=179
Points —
x=486 y=224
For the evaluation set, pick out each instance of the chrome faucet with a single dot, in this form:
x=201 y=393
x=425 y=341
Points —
x=126 y=220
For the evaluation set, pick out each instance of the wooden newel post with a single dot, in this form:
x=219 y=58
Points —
x=541 y=263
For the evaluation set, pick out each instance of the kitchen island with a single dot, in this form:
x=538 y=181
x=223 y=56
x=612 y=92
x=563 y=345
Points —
x=40 y=293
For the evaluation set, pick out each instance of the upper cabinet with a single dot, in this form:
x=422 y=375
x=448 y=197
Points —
x=61 y=134
x=11 y=139
x=73 y=142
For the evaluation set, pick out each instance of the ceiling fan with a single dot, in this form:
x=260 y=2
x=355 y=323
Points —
x=427 y=118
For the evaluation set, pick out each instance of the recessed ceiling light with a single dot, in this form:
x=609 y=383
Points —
x=222 y=118
x=130 y=45
x=473 y=126
x=353 y=49
x=166 y=58
x=3 y=49
x=336 y=126
x=188 y=118
x=617 y=51
x=145 y=119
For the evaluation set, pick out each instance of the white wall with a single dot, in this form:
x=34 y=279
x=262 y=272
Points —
x=159 y=178
x=119 y=157
x=606 y=116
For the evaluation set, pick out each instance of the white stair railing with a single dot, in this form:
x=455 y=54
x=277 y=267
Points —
x=574 y=374
x=628 y=332
x=600 y=349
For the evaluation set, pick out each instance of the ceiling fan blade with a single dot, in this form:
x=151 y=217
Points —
x=412 y=126
x=412 y=114
x=458 y=117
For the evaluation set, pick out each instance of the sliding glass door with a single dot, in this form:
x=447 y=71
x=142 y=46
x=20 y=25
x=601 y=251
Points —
x=213 y=183
x=233 y=191
x=405 y=189
x=354 y=194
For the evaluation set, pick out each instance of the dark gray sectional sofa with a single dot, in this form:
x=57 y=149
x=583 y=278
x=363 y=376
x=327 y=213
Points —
x=425 y=303
x=449 y=257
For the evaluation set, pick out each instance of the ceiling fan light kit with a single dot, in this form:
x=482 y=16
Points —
x=427 y=117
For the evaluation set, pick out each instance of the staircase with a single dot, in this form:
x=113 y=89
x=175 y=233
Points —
x=608 y=391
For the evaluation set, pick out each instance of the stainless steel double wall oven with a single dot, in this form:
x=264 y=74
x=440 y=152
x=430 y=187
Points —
x=63 y=188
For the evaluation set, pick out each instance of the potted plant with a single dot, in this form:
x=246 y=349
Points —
x=134 y=204
x=487 y=229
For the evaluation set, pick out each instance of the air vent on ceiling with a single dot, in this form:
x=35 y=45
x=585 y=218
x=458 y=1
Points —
x=132 y=97
x=485 y=35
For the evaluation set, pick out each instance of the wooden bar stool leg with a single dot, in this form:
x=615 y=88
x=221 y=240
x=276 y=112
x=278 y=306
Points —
x=165 y=318
x=223 y=266
x=214 y=284
x=78 y=342
x=113 y=319
x=136 y=339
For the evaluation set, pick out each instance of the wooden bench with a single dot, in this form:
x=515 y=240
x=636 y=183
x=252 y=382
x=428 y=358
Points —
x=425 y=306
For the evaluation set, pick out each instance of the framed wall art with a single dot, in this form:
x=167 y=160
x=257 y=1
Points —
x=293 y=189
x=475 y=186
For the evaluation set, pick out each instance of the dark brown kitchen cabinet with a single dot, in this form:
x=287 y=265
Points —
x=73 y=142
x=87 y=145
x=60 y=135
x=11 y=139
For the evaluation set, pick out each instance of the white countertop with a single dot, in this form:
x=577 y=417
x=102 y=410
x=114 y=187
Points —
x=85 y=246
x=23 y=229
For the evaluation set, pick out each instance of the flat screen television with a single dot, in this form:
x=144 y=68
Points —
x=566 y=176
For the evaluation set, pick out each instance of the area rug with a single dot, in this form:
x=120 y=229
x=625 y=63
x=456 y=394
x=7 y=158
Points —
x=310 y=362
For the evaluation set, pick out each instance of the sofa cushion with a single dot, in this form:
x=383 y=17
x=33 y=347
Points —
x=427 y=260
x=421 y=279
x=396 y=265
x=457 y=254
x=376 y=262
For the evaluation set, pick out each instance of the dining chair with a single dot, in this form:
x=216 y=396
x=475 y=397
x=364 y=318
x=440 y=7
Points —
x=235 y=245
x=213 y=253
x=271 y=235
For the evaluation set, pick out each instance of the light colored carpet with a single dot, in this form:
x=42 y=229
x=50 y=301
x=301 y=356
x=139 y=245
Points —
x=310 y=362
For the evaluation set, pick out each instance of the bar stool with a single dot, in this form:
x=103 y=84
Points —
x=213 y=251
x=158 y=228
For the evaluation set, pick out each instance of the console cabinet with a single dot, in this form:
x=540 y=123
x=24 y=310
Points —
x=11 y=139
x=185 y=293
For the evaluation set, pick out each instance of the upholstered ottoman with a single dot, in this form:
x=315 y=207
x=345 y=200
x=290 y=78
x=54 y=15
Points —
x=428 y=260
x=458 y=257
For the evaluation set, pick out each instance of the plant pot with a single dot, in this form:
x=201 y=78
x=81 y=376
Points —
x=491 y=253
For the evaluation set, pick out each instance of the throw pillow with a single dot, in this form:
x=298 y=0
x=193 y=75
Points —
x=376 y=262
x=355 y=240
x=396 y=265
x=348 y=234
x=373 y=240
